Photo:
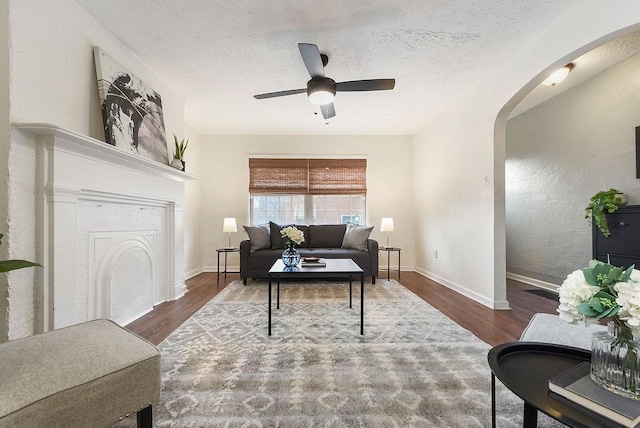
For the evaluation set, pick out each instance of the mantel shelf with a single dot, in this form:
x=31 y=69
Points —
x=88 y=146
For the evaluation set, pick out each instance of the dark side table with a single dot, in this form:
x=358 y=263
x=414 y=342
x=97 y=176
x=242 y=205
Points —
x=226 y=252
x=526 y=367
x=389 y=250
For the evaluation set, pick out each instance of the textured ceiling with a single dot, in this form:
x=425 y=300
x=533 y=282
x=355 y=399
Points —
x=218 y=53
x=586 y=66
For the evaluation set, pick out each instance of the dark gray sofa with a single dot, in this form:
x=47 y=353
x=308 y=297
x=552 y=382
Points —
x=320 y=241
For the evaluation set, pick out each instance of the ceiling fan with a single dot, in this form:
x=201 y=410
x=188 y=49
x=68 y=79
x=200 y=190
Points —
x=321 y=90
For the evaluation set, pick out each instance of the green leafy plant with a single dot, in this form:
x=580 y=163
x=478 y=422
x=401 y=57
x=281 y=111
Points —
x=8 y=265
x=605 y=201
x=180 y=147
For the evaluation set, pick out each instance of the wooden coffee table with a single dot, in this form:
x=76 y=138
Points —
x=336 y=268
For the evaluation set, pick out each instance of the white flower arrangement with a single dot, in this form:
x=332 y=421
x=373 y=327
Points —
x=602 y=291
x=293 y=236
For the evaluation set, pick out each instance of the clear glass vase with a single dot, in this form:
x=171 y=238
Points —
x=615 y=360
x=291 y=256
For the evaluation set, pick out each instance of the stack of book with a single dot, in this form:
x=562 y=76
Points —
x=313 y=262
x=576 y=385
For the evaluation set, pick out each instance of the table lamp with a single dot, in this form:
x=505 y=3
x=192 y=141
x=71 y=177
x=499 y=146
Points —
x=229 y=225
x=387 y=226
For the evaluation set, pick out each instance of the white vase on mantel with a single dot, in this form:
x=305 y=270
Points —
x=176 y=163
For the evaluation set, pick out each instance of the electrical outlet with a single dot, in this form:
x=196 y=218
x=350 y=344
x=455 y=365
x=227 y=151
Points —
x=435 y=254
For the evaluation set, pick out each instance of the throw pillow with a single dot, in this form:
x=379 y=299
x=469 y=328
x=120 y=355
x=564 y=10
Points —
x=259 y=237
x=276 y=238
x=356 y=237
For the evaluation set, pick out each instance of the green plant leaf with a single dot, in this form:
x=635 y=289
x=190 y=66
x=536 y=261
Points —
x=602 y=294
x=606 y=313
x=593 y=263
x=627 y=274
x=590 y=277
x=585 y=309
x=9 y=265
x=601 y=202
x=613 y=276
x=596 y=305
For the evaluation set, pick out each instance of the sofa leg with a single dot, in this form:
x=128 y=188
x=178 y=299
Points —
x=373 y=279
x=145 y=417
x=244 y=281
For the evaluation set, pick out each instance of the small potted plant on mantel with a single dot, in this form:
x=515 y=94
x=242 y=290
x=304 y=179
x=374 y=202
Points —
x=178 y=153
x=605 y=201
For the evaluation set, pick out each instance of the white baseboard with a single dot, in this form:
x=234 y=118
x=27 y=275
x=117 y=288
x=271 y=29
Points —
x=180 y=289
x=532 y=281
x=214 y=268
x=502 y=305
x=192 y=273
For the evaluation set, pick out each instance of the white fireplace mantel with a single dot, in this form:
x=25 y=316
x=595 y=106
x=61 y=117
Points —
x=103 y=152
x=101 y=208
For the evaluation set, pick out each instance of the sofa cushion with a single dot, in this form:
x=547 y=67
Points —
x=355 y=237
x=326 y=236
x=276 y=238
x=260 y=237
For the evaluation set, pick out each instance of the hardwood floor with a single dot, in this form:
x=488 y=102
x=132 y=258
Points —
x=494 y=327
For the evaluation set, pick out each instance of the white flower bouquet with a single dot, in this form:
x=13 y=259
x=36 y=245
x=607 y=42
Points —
x=293 y=236
x=602 y=291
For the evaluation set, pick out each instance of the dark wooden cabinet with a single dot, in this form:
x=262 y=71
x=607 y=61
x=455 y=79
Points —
x=623 y=246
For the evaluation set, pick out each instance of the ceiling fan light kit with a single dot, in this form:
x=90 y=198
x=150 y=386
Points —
x=321 y=90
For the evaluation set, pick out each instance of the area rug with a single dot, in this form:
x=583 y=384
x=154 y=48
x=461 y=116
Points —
x=413 y=367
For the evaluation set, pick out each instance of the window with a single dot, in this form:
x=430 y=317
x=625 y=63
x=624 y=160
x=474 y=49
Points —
x=307 y=191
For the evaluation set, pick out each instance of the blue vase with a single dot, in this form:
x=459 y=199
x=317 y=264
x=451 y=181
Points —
x=290 y=257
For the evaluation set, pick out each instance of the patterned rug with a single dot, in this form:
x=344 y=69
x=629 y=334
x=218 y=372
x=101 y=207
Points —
x=413 y=367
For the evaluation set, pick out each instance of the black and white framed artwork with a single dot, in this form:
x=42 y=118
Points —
x=131 y=110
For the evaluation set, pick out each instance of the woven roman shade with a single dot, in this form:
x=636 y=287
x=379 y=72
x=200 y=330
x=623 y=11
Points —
x=308 y=176
x=278 y=176
x=338 y=176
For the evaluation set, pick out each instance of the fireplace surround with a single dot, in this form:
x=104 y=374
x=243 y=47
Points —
x=110 y=230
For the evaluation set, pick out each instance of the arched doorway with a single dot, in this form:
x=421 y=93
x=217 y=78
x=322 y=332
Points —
x=551 y=196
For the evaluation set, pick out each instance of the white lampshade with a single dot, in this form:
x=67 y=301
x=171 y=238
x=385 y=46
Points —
x=229 y=225
x=386 y=225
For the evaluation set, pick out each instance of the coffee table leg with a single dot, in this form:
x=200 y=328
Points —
x=278 y=298
x=493 y=400
x=269 y=305
x=530 y=416
x=362 y=304
x=350 y=299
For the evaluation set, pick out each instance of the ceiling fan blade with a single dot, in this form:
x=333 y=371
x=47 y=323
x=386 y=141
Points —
x=312 y=59
x=280 y=93
x=328 y=110
x=366 y=85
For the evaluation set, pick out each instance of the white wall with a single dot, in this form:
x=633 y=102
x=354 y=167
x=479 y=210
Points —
x=193 y=205
x=559 y=154
x=458 y=214
x=225 y=183
x=53 y=80
x=4 y=154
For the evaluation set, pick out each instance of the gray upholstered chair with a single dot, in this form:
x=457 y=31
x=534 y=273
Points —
x=87 y=375
x=550 y=328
